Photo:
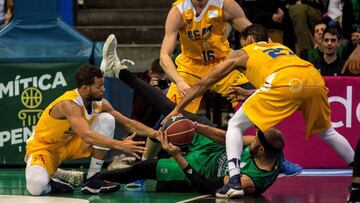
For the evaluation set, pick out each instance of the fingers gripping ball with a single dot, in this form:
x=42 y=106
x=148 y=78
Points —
x=179 y=130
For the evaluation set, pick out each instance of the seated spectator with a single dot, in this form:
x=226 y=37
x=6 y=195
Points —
x=330 y=64
x=355 y=39
x=6 y=12
x=318 y=51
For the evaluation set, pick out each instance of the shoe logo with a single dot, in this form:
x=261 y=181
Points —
x=98 y=163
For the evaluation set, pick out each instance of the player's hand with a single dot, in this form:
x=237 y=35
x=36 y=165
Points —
x=183 y=87
x=278 y=16
x=154 y=81
x=353 y=62
x=170 y=148
x=8 y=17
x=130 y=146
x=238 y=93
x=174 y=112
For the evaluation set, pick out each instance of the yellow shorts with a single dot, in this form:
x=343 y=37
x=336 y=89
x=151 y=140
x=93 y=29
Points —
x=192 y=71
x=292 y=89
x=51 y=157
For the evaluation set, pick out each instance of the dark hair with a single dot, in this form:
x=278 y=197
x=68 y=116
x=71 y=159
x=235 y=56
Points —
x=86 y=75
x=317 y=23
x=272 y=140
x=155 y=66
x=257 y=31
x=333 y=31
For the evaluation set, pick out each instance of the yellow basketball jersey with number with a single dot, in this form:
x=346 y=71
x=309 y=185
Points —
x=203 y=37
x=51 y=134
x=267 y=58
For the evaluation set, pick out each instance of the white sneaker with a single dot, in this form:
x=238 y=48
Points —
x=110 y=64
x=75 y=178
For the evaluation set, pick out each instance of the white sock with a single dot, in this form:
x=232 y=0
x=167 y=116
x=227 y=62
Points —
x=234 y=140
x=95 y=166
x=339 y=144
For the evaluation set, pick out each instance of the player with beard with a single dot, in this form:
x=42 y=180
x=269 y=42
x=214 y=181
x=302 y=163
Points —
x=204 y=168
x=78 y=124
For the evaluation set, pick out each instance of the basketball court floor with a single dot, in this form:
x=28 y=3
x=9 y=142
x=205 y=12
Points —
x=312 y=186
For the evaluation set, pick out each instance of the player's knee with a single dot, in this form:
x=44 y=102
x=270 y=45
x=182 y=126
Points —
x=37 y=181
x=104 y=124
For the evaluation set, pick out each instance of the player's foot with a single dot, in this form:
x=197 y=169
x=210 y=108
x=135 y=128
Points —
x=288 y=169
x=94 y=185
x=136 y=184
x=75 y=178
x=111 y=64
x=232 y=190
x=59 y=186
x=354 y=196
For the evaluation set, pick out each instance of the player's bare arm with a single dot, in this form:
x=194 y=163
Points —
x=234 y=14
x=73 y=113
x=216 y=134
x=219 y=72
x=172 y=26
x=127 y=124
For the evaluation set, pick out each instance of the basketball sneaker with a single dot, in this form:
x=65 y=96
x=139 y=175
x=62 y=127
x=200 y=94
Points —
x=288 y=169
x=232 y=190
x=94 y=185
x=111 y=64
x=59 y=186
x=75 y=178
x=136 y=184
x=354 y=196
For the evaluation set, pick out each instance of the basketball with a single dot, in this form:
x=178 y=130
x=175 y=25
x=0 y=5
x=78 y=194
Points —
x=179 y=130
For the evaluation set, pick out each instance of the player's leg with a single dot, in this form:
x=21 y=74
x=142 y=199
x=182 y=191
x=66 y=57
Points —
x=140 y=170
x=355 y=182
x=104 y=124
x=316 y=111
x=236 y=78
x=38 y=174
x=237 y=125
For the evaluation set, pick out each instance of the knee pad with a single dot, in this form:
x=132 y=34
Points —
x=37 y=180
x=104 y=124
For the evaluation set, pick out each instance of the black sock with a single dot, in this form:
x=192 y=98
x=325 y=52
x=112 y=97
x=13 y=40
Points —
x=155 y=97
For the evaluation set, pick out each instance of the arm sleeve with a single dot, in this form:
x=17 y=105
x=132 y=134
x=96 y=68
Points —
x=201 y=184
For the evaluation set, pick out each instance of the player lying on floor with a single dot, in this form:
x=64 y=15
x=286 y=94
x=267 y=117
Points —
x=114 y=68
x=204 y=167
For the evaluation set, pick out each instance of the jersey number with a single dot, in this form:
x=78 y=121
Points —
x=275 y=52
x=208 y=55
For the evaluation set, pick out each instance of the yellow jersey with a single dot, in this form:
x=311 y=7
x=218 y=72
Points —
x=267 y=58
x=50 y=133
x=203 y=37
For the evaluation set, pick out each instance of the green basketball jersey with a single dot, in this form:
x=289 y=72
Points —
x=209 y=159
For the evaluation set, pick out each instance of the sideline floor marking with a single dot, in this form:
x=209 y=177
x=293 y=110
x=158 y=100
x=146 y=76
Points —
x=194 y=198
x=40 y=199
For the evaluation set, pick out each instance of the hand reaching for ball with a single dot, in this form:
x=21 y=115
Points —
x=170 y=148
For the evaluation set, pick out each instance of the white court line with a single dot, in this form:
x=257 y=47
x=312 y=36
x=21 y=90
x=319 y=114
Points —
x=39 y=199
x=324 y=172
x=194 y=198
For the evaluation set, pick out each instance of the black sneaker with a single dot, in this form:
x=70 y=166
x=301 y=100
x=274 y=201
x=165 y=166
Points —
x=354 y=196
x=232 y=190
x=94 y=185
x=58 y=186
